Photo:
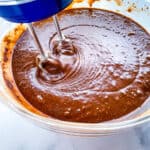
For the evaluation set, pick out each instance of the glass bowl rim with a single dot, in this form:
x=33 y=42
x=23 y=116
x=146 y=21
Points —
x=75 y=127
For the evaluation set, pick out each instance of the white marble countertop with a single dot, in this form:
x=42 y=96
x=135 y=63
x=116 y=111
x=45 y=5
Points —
x=16 y=133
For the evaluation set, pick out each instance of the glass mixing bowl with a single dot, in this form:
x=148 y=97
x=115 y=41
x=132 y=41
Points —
x=138 y=10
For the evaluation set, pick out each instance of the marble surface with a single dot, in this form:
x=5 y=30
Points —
x=16 y=133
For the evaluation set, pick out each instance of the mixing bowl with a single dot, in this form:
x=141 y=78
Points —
x=139 y=11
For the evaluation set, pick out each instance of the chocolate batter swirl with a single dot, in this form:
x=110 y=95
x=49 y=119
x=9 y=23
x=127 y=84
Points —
x=107 y=77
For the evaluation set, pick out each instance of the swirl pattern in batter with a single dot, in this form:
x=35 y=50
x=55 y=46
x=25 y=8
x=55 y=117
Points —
x=107 y=77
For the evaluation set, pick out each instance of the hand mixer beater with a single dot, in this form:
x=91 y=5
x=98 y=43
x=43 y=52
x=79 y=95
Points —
x=29 y=11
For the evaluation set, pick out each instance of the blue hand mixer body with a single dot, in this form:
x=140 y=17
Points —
x=27 y=11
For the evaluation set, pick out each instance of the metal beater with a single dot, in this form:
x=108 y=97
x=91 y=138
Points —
x=29 y=11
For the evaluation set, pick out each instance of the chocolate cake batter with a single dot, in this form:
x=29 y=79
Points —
x=107 y=76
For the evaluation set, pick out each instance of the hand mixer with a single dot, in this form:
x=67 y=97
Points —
x=28 y=11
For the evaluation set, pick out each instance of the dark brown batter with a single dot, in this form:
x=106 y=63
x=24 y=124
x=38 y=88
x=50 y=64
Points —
x=107 y=77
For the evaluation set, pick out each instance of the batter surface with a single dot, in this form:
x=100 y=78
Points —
x=107 y=77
